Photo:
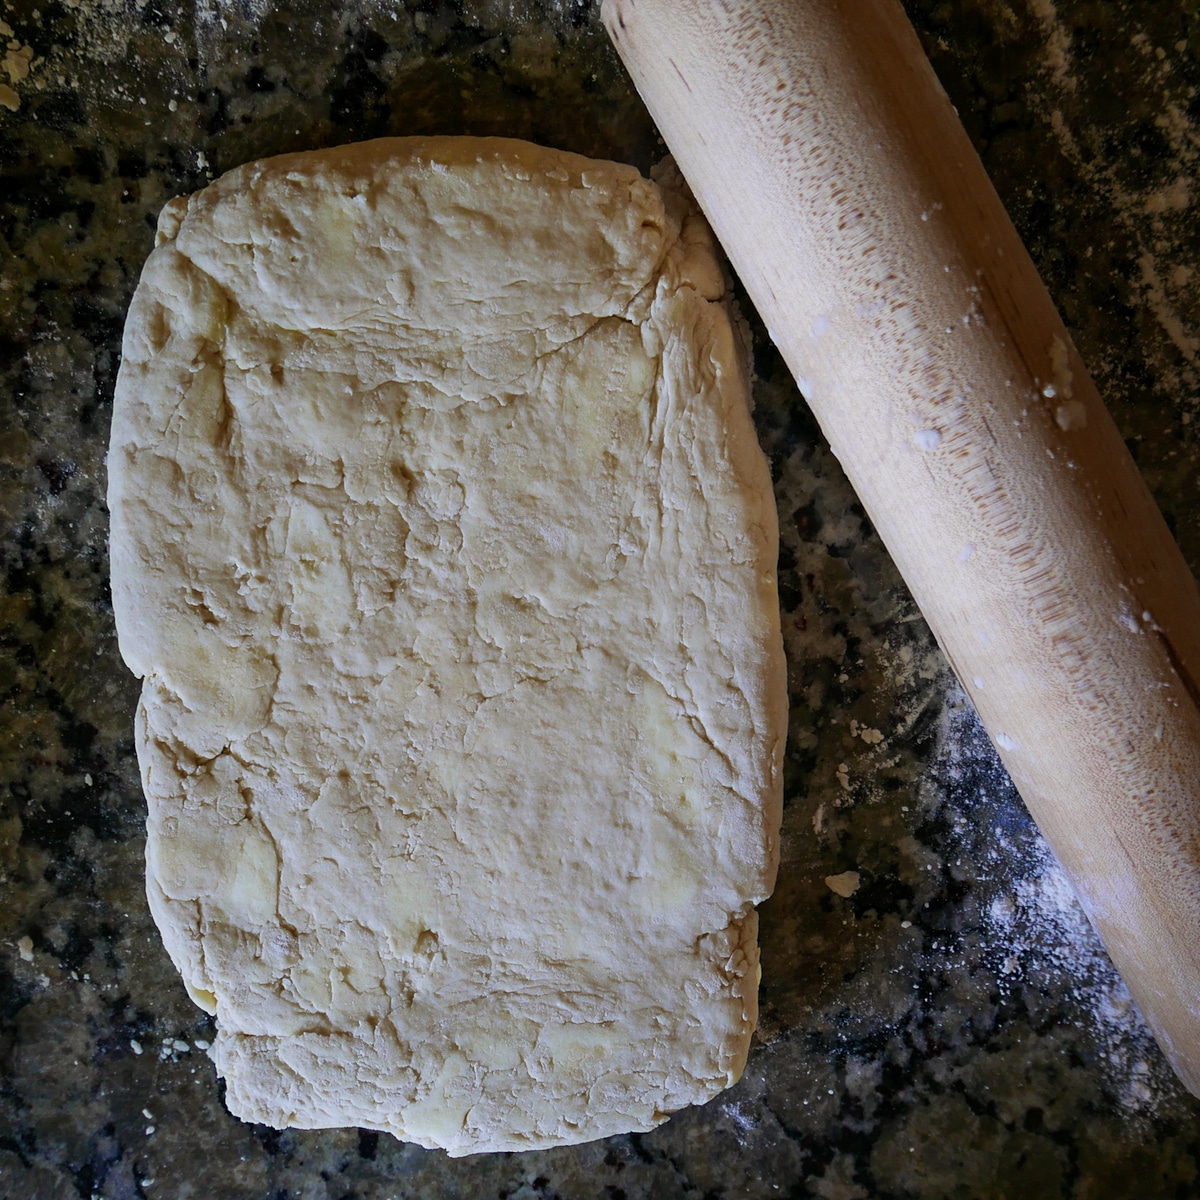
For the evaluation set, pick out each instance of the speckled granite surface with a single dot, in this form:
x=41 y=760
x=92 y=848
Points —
x=951 y=1029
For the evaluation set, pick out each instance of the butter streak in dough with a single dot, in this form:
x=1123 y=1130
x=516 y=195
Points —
x=443 y=543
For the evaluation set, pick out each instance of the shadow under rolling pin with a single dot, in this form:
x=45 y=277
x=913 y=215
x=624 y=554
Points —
x=853 y=206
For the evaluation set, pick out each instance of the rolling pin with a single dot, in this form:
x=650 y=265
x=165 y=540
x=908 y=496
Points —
x=851 y=203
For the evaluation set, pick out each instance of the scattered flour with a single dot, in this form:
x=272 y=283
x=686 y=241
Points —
x=1153 y=217
x=1058 y=43
x=1037 y=933
x=1044 y=933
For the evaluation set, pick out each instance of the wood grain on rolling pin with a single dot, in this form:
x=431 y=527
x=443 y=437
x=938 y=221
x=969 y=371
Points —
x=853 y=206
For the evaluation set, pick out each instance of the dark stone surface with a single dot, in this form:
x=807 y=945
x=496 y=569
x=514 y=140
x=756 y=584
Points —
x=950 y=1030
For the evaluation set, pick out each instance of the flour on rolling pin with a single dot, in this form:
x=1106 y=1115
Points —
x=443 y=542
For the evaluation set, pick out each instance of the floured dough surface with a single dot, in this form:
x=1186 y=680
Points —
x=444 y=545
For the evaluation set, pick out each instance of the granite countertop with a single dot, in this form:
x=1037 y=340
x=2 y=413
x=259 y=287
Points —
x=951 y=1028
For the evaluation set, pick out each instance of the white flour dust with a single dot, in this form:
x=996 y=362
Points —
x=1041 y=940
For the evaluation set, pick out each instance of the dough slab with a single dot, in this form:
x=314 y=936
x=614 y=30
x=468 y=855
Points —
x=445 y=549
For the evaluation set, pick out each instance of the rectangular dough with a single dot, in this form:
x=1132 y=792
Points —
x=445 y=548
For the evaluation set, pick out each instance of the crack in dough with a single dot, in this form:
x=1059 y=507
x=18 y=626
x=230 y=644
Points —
x=443 y=543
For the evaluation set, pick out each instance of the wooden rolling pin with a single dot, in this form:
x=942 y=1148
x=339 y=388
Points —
x=850 y=201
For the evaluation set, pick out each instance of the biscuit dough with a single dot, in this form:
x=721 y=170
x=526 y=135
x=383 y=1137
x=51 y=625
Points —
x=445 y=549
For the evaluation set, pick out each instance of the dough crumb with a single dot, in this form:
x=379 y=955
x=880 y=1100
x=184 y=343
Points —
x=844 y=885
